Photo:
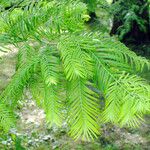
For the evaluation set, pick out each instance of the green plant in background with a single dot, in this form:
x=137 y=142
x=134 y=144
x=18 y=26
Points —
x=61 y=63
x=94 y=5
x=131 y=19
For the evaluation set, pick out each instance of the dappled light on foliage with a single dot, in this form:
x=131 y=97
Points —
x=61 y=62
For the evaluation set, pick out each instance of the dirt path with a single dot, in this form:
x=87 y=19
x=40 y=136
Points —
x=7 y=67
